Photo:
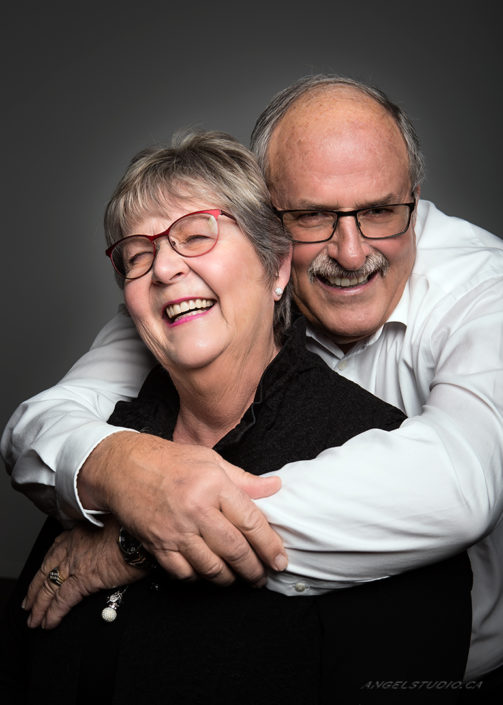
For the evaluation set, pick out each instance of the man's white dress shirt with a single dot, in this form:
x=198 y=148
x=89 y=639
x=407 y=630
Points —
x=383 y=502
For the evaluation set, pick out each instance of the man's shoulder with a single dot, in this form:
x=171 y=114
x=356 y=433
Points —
x=458 y=268
x=454 y=254
x=443 y=238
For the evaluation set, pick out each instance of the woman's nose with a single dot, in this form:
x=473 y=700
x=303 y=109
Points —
x=168 y=264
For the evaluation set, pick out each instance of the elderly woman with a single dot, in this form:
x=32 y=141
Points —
x=205 y=265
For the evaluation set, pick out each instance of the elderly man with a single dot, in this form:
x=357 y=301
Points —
x=401 y=299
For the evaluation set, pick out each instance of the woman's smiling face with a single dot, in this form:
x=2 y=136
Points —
x=191 y=311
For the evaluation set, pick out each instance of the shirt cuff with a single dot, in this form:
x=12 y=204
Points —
x=72 y=456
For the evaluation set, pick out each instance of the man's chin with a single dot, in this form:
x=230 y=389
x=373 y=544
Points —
x=343 y=331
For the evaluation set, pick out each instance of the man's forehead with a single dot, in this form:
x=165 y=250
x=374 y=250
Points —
x=331 y=104
x=334 y=118
x=352 y=148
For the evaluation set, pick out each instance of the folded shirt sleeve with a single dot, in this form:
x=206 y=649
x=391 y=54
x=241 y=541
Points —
x=49 y=436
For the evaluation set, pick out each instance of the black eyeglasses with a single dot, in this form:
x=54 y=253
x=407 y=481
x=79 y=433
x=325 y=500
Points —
x=192 y=235
x=374 y=223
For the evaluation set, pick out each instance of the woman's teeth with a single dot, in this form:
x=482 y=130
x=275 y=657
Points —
x=187 y=306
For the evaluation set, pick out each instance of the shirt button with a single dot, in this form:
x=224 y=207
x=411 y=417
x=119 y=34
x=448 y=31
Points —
x=342 y=365
x=300 y=587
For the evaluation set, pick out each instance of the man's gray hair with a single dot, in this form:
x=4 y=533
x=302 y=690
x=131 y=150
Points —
x=283 y=100
x=212 y=167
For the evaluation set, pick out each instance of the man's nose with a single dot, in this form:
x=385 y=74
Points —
x=347 y=245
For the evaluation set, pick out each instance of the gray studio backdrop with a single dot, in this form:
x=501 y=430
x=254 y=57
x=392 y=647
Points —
x=89 y=85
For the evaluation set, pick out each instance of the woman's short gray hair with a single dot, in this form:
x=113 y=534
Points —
x=283 y=100
x=210 y=165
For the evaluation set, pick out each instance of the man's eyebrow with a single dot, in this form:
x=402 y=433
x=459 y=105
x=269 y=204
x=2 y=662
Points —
x=381 y=201
x=310 y=206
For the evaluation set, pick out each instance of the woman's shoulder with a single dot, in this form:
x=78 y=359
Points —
x=154 y=410
x=307 y=383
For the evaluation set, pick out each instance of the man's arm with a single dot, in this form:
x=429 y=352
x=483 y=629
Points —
x=384 y=502
x=388 y=502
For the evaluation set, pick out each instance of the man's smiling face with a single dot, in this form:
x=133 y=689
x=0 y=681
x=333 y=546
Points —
x=336 y=149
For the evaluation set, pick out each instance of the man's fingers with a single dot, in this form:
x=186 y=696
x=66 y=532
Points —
x=195 y=560
x=220 y=532
x=249 y=519
x=205 y=561
x=175 y=564
x=191 y=509
x=255 y=486
x=251 y=522
x=230 y=554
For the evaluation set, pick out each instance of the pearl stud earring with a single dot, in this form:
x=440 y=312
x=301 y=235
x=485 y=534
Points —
x=278 y=291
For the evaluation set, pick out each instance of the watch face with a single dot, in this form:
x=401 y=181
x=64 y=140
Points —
x=133 y=552
x=128 y=544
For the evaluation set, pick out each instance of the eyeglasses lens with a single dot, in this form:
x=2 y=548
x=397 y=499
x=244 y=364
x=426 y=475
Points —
x=385 y=221
x=317 y=226
x=191 y=236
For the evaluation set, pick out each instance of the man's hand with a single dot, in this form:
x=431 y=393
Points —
x=189 y=507
x=88 y=559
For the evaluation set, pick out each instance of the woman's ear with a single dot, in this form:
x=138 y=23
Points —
x=283 y=276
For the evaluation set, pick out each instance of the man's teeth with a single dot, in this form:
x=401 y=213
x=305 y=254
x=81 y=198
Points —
x=344 y=281
x=175 y=310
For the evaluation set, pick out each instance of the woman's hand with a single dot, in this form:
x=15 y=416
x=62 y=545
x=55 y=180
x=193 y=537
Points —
x=88 y=559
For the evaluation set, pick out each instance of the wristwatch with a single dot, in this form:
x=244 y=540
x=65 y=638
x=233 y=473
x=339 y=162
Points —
x=133 y=552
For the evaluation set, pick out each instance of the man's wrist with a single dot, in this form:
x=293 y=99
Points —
x=97 y=478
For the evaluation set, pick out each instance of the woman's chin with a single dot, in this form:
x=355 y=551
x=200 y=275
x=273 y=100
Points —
x=193 y=355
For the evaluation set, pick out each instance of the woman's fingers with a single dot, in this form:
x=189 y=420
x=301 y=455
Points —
x=67 y=596
x=44 y=586
x=41 y=595
x=80 y=562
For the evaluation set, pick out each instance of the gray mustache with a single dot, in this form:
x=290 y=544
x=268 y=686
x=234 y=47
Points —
x=328 y=268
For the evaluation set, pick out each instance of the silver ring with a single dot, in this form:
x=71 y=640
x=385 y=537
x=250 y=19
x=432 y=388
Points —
x=55 y=577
